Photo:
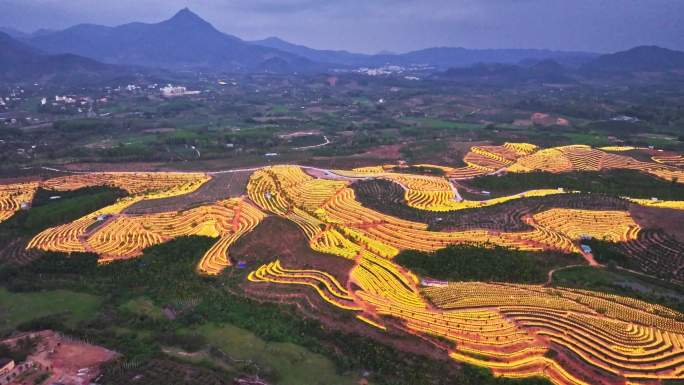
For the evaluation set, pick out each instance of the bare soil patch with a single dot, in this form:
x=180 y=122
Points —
x=277 y=238
x=670 y=221
x=71 y=362
x=221 y=186
x=391 y=151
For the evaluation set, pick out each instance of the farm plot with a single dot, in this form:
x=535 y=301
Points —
x=219 y=187
x=506 y=215
x=122 y=236
x=525 y=157
x=569 y=336
x=670 y=160
x=133 y=182
x=512 y=329
x=112 y=234
x=68 y=237
x=12 y=196
x=585 y=158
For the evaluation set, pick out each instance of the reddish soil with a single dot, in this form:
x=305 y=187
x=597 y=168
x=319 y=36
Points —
x=384 y=152
x=458 y=151
x=388 y=154
x=464 y=147
x=391 y=154
x=277 y=238
x=670 y=221
x=70 y=357
x=221 y=186
x=70 y=362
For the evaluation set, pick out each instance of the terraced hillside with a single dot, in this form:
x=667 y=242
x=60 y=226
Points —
x=366 y=217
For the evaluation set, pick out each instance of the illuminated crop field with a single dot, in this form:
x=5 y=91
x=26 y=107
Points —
x=585 y=158
x=508 y=328
x=569 y=336
x=525 y=157
x=112 y=234
x=12 y=196
x=671 y=160
x=132 y=182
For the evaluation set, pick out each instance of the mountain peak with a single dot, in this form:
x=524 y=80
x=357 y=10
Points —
x=187 y=16
x=274 y=39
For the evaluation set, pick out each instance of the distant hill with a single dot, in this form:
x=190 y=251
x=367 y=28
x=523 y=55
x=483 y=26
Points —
x=321 y=56
x=15 y=33
x=185 y=41
x=440 y=57
x=638 y=59
x=545 y=71
x=447 y=57
x=20 y=63
x=20 y=35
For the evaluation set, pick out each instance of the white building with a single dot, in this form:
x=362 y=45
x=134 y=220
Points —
x=65 y=99
x=171 y=91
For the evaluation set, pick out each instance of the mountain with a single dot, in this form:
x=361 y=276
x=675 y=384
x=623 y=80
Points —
x=185 y=41
x=448 y=57
x=321 y=56
x=15 y=33
x=20 y=35
x=638 y=59
x=41 y=32
x=441 y=57
x=22 y=63
x=545 y=71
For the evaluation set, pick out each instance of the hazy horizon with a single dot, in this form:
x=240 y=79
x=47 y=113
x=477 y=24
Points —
x=385 y=25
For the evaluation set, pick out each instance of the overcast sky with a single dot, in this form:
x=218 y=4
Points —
x=395 y=25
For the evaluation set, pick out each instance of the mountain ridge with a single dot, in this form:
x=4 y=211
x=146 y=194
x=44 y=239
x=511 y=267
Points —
x=442 y=57
x=21 y=62
x=184 y=41
x=638 y=59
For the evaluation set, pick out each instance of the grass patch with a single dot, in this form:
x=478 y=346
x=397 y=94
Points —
x=439 y=124
x=17 y=308
x=144 y=307
x=280 y=109
x=285 y=363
